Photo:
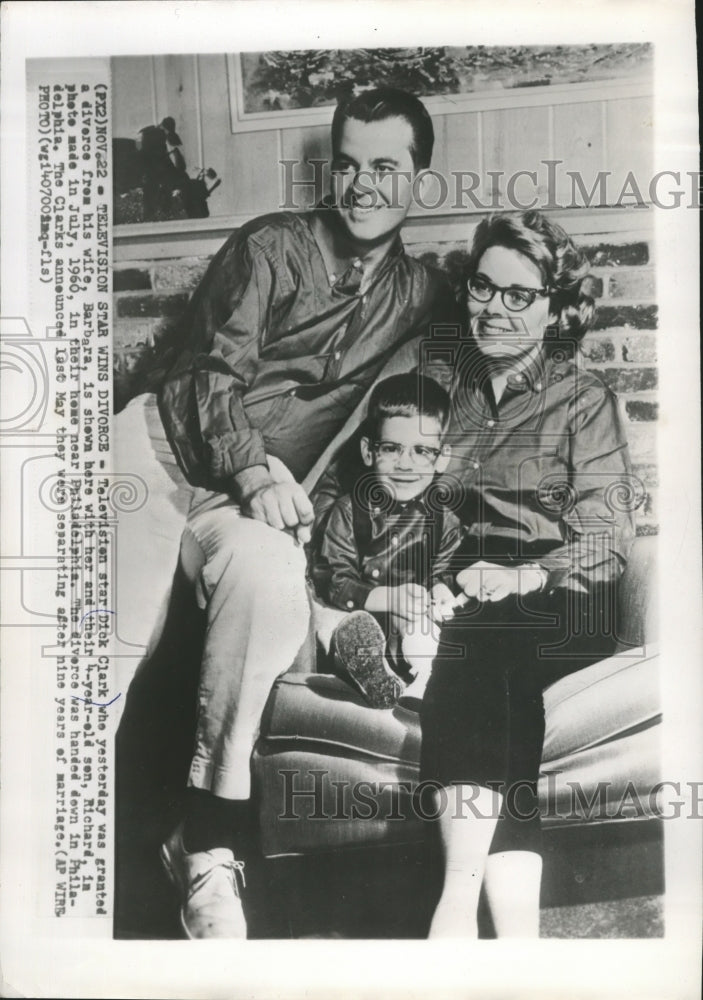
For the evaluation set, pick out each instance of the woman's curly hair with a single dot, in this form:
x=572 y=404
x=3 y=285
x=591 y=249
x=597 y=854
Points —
x=563 y=266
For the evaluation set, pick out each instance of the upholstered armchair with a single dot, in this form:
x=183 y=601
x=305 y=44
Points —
x=332 y=773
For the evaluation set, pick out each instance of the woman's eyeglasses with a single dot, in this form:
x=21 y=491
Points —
x=421 y=455
x=514 y=298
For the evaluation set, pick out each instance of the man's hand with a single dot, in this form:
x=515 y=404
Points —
x=283 y=505
x=489 y=582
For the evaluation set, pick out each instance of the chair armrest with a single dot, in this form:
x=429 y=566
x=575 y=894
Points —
x=638 y=595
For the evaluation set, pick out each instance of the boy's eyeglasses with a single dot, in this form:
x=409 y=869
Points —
x=515 y=299
x=421 y=455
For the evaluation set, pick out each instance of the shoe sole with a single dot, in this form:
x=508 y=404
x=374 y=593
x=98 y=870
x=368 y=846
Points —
x=362 y=657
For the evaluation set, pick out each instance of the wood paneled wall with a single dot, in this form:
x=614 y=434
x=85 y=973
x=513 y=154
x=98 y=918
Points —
x=607 y=134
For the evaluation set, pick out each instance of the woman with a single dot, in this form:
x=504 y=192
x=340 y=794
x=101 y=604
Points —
x=542 y=461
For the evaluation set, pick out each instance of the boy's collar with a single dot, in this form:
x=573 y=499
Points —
x=391 y=507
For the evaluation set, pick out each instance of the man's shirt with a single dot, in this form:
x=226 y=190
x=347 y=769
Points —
x=544 y=474
x=277 y=354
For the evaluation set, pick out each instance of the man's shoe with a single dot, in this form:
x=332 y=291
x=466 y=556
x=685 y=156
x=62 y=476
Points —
x=360 y=646
x=207 y=884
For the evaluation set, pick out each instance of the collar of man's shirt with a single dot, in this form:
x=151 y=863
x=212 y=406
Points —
x=349 y=268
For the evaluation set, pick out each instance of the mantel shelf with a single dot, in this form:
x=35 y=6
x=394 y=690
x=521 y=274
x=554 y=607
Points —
x=202 y=237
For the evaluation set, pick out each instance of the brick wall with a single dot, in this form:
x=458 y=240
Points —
x=621 y=348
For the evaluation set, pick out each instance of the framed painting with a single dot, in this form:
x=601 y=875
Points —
x=288 y=89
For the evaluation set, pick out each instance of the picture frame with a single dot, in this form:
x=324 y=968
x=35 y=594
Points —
x=520 y=86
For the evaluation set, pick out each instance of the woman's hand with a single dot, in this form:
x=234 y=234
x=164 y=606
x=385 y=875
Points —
x=489 y=582
x=443 y=602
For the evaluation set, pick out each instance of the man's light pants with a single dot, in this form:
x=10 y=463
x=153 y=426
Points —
x=248 y=577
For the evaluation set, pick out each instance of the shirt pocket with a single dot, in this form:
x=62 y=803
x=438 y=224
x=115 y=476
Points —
x=270 y=411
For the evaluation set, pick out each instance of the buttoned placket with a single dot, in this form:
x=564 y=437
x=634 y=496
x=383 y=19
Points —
x=489 y=422
x=371 y=570
x=494 y=424
x=340 y=343
x=489 y=417
x=348 y=332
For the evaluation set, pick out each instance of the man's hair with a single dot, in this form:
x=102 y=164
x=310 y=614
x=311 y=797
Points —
x=563 y=266
x=386 y=102
x=406 y=395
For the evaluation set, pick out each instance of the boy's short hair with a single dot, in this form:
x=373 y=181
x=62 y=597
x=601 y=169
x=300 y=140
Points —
x=406 y=395
x=387 y=102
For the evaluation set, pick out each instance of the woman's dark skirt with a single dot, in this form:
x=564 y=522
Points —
x=483 y=711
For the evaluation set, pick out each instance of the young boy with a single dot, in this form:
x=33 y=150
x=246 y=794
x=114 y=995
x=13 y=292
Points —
x=386 y=549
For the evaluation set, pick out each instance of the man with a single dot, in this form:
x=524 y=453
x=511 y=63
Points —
x=293 y=322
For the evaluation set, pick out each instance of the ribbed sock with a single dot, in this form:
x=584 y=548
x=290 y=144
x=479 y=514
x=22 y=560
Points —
x=211 y=821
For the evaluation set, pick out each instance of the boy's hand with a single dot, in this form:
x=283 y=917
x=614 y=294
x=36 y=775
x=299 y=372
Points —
x=443 y=602
x=489 y=582
x=408 y=602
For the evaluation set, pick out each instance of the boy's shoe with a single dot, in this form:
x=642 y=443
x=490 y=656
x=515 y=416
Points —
x=207 y=884
x=360 y=645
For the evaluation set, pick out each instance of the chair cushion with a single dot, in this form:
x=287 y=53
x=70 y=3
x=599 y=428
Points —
x=596 y=705
x=326 y=757
x=310 y=800
x=322 y=711
x=615 y=780
x=314 y=801
x=601 y=703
